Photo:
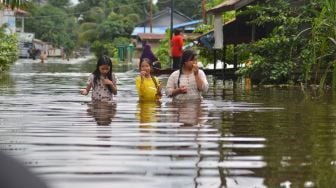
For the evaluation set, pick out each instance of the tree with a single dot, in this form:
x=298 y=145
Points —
x=8 y=50
x=191 y=8
x=59 y=3
x=105 y=21
x=16 y=3
x=52 y=24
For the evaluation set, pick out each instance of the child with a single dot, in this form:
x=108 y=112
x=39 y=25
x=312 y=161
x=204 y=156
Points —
x=148 y=87
x=189 y=82
x=102 y=81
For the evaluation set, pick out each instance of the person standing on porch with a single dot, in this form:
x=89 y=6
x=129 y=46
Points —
x=177 y=48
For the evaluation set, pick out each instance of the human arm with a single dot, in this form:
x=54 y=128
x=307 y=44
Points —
x=86 y=90
x=88 y=87
x=172 y=88
x=180 y=43
x=111 y=83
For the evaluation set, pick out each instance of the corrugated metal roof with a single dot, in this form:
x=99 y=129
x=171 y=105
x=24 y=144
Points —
x=156 y=30
x=186 y=24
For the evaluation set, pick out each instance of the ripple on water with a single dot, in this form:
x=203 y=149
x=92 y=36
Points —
x=72 y=143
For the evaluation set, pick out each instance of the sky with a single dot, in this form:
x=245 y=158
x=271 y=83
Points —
x=74 y=1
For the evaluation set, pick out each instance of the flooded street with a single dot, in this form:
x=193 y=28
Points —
x=263 y=137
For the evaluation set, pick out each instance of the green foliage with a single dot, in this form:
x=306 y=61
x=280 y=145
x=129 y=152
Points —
x=275 y=57
x=8 y=50
x=52 y=24
x=59 y=3
x=108 y=47
x=95 y=14
x=87 y=32
x=162 y=53
x=190 y=8
x=120 y=41
x=100 y=48
x=203 y=28
x=24 y=4
x=107 y=21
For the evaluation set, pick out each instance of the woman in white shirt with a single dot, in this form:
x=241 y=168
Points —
x=189 y=81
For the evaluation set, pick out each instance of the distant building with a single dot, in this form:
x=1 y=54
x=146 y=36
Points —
x=8 y=17
x=160 y=23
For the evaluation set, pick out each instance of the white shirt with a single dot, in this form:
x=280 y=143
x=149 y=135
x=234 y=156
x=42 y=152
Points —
x=188 y=80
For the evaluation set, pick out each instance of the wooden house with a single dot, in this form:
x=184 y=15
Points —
x=232 y=32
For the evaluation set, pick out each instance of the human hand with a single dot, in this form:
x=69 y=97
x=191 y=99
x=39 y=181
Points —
x=183 y=89
x=142 y=74
x=195 y=69
x=83 y=91
x=106 y=81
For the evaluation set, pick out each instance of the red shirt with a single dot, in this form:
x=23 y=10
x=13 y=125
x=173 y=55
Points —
x=176 y=45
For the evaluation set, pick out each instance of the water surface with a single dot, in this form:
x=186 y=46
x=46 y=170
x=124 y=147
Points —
x=263 y=137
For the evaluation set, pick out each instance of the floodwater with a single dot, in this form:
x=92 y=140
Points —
x=261 y=137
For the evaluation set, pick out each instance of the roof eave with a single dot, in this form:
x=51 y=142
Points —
x=229 y=5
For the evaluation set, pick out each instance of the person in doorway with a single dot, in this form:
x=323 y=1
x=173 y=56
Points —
x=177 y=48
x=189 y=81
x=148 y=86
x=102 y=81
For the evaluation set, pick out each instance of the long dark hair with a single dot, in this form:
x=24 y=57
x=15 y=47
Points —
x=151 y=66
x=103 y=60
x=188 y=55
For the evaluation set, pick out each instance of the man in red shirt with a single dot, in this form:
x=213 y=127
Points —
x=176 y=48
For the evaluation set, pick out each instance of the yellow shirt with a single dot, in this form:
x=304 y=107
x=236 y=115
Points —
x=147 y=89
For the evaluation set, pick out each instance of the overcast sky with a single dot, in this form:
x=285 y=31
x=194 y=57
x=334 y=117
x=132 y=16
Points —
x=74 y=1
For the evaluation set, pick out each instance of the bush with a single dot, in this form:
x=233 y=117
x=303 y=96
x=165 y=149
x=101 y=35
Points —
x=8 y=51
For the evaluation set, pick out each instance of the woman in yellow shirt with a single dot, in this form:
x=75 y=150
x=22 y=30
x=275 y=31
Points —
x=148 y=86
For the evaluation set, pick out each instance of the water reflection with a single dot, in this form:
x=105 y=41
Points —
x=7 y=84
x=146 y=111
x=102 y=112
x=189 y=113
x=262 y=138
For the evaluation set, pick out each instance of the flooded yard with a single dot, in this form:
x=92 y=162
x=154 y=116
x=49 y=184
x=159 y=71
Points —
x=263 y=137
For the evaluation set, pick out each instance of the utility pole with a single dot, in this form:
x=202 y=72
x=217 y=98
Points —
x=151 y=15
x=171 y=18
x=171 y=26
x=204 y=16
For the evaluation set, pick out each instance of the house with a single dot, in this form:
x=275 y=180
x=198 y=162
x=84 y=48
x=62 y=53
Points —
x=232 y=32
x=8 y=16
x=160 y=23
